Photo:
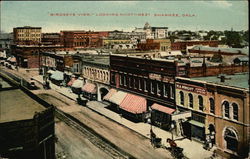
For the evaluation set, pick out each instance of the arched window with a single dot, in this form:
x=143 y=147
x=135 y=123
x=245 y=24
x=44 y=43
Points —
x=181 y=98
x=191 y=100
x=201 y=107
x=231 y=139
x=212 y=107
x=225 y=106
x=235 y=111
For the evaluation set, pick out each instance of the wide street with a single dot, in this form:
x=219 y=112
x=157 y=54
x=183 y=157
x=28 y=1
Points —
x=126 y=139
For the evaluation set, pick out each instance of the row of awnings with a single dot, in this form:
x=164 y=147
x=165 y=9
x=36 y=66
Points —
x=78 y=83
x=133 y=103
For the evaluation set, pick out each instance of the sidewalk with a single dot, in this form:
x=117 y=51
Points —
x=191 y=149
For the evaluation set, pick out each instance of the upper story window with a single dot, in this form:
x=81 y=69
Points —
x=152 y=88
x=225 y=108
x=235 y=111
x=181 y=98
x=172 y=91
x=212 y=106
x=145 y=85
x=191 y=100
x=158 y=87
x=201 y=106
x=165 y=90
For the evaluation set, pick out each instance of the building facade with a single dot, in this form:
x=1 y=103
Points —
x=220 y=112
x=150 y=78
x=27 y=35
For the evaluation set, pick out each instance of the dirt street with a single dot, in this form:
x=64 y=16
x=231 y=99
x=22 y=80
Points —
x=126 y=139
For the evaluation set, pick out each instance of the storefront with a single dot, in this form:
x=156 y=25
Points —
x=89 y=91
x=134 y=106
x=161 y=116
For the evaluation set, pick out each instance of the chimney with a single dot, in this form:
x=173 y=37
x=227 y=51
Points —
x=222 y=78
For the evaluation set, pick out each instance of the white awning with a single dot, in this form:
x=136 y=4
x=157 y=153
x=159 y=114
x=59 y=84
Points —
x=57 y=75
x=77 y=83
x=118 y=97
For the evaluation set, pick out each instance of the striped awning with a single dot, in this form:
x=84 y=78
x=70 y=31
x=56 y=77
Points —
x=13 y=59
x=89 y=88
x=162 y=108
x=110 y=94
x=118 y=97
x=134 y=104
x=71 y=81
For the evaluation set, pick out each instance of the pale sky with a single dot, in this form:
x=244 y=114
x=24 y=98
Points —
x=208 y=15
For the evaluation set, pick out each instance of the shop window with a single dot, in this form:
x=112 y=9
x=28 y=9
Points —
x=235 y=111
x=191 y=100
x=212 y=106
x=201 y=106
x=231 y=139
x=181 y=98
x=225 y=107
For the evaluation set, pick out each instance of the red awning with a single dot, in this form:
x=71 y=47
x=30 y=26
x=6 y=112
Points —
x=134 y=104
x=89 y=87
x=13 y=59
x=71 y=81
x=163 y=109
x=110 y=94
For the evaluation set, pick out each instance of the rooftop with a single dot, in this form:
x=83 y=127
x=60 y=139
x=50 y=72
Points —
x=217 y=49
x=239 y=80
x=16 y=105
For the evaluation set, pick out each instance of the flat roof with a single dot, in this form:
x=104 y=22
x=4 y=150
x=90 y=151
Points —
x=240 y=80
x=17 y=105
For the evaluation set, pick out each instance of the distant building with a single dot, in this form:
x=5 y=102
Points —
x=153 y=32
x=26 y=124
x=82 y=39
x=155 y=44
x=27 y=35
x=183 y=45
x=51 y=39
x=6 y=40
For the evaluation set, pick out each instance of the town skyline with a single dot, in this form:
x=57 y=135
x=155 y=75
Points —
x=103 y=16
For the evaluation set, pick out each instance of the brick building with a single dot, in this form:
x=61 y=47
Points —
x=149 y=78
x=27 y=35
x=220 y=111
x=183 y=45
x=155 y=44
x=28 y=55
x=51 y=39
x=82 y=39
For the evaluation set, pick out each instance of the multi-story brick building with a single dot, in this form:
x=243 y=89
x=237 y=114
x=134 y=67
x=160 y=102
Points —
x=220 y=111
x=152 y=79
x=51 y=39
x=82 y=39
x=27 y=35
x=183 y=45
x=155 y=44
